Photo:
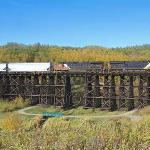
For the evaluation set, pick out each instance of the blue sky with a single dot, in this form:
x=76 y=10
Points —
x=109 y=23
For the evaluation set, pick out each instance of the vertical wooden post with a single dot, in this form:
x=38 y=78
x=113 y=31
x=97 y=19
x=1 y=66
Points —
x=106 y=93
x=122 y=99
x=148 y=90
x=140 y=92
x=35 y=94
x=1 y=86
x=51 y=90
x=97 y=92
x=7 y=86
x=43 y=91
x=131 y=94
x=22 y=86
x=113 y=104
x=28 y=88
x=60 y=90
x=88 y=91
x=68 y=94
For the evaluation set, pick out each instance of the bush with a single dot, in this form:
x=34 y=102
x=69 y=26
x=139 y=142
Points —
x=76 y=134
x=17 y=103
x=11 y=122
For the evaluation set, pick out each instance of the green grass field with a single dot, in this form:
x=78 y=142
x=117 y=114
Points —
x=73 y=111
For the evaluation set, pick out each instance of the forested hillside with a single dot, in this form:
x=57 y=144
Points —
x=19 y=52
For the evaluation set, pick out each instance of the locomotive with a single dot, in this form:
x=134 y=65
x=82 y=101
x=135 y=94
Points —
x=84 y=66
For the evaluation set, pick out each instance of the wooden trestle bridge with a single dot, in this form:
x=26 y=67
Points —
x=109 y=89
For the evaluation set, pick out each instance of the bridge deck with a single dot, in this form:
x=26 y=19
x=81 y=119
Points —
x=82 y=73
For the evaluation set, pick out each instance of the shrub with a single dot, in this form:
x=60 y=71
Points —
x=11 y=122
x=17 y=103
x=57 y=133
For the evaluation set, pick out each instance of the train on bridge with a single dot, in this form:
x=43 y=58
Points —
x=74 y=66
x=106 y=85
x=118 y=65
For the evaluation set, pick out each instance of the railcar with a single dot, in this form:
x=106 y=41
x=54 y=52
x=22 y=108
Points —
x=127 y=65
x=116 y=65
x=84 y=66
x=33 y=67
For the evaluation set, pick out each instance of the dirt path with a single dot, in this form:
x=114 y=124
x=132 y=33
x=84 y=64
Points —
x=129 y=114
x=23 y=111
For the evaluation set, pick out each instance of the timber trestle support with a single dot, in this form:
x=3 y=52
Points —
x=110 y=90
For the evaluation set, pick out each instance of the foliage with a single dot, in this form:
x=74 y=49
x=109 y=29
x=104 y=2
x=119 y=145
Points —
x=77 y=135
x=17 y=103
x=14 y=52
x=11 y=122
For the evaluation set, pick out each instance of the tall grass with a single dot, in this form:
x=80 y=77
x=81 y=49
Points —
x=144 y=112
x=17 y=103
x=60 y=134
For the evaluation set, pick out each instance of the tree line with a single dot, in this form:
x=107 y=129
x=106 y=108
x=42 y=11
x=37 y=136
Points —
x=14 y=52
